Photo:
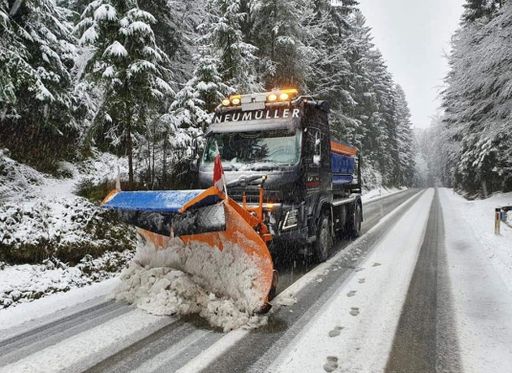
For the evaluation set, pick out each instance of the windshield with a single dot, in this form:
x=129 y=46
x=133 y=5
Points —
x=258 y=151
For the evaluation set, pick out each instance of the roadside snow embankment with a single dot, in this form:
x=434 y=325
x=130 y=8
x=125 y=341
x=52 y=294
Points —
x=195 y=279
x=40 y=216
x=480 y=271
x=478 y=215
x=27 y=282
x=52 y=240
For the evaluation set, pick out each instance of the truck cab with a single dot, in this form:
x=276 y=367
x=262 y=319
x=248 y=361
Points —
x=286 y=138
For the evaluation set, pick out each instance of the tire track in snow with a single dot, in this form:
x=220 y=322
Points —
x=86 y=349
x=374 y=211
x=159 y=348
x=19 y=346
x=425 y=340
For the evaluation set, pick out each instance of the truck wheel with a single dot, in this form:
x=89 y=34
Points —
x=324 y=241
x=354 y=228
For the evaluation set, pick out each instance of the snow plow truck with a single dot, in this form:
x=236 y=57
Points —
x=286 y=180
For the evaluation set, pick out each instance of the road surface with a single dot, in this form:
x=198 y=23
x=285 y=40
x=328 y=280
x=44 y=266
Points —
x=384 y=302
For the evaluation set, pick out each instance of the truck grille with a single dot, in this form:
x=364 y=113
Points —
x=253 y=196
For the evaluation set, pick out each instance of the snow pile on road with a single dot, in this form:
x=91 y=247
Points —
x=25 y=283
x=195 y=279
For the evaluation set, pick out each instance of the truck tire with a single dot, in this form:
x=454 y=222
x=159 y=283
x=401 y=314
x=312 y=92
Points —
x=354 y=224
x=324 y=241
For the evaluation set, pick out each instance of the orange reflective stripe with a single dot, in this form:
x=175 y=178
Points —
x=343 y=149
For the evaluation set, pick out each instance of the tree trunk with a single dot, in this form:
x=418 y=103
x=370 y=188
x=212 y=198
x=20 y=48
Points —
x=164 y=161
x=129 y=150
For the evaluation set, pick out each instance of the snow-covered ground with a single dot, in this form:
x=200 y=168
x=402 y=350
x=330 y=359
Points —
x=45 y=308
x=478 y=217
x=353 y=331
x=480 y=271
x=348 y=335
x=27 y=282
x=43 y=221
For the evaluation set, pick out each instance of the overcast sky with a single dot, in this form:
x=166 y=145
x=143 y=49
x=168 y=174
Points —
x=414 y=37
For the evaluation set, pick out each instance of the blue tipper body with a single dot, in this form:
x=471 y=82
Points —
x=343 y=167
x=164 y=202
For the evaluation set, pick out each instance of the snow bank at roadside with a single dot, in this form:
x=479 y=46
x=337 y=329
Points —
x=195 y=279
x=41 y=216
x=380 y=192
x=43 y=222
x=479 y=216
x=25 y=283
x=480 y=273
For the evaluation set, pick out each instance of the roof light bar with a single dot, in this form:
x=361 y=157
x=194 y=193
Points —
x=272 y=97
x=277 y=96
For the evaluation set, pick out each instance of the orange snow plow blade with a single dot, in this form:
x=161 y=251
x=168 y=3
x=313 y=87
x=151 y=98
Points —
x=202 y=217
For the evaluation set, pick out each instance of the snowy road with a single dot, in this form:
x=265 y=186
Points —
x=401 y=275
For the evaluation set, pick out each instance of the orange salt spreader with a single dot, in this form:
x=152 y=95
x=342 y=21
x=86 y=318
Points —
x=206 y=216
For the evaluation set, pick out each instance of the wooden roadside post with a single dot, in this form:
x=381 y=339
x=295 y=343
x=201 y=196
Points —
x=497 y=221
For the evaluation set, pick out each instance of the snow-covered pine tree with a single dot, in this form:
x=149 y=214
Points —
x=326 y=30
x=478 y=9
x=8 y=46
x=477 y=105
x=324 y=38
x=129 y=66
x=237 y=61
x=175 y=31
x=191 y=112
x=404 y=139
x=36 y=102
x=278 y=35
x=360 y=117
x=364 y=98
x=384 y=131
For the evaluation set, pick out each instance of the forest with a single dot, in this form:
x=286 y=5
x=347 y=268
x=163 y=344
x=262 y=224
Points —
x=141 y=79
x=472 y=139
